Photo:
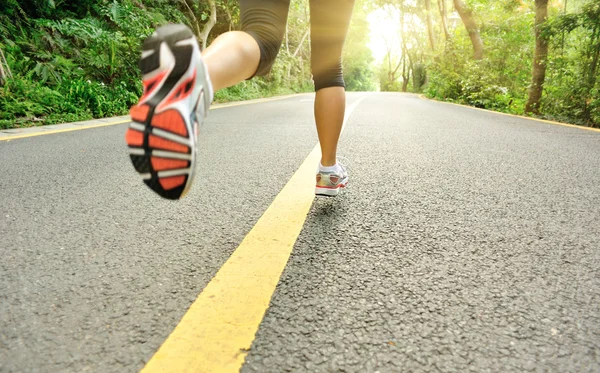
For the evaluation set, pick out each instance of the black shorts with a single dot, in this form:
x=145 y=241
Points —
x=265 y=21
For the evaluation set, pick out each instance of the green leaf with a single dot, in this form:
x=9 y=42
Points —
x=114 y=11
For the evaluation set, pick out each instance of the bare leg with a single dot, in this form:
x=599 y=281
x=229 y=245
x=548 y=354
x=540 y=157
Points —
x=330 y=105
x=234 y=57
x=231 y=58
x=329 y=21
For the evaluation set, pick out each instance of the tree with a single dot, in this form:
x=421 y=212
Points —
x=4 y=73
x=466 y=14
x=406 y=69
x=189 y=6
x=212 y=20
x=429 y=24
x=444 y=19
x=539 y=61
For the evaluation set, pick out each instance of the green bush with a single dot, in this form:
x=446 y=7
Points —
x=74 y=61
x=78 y=60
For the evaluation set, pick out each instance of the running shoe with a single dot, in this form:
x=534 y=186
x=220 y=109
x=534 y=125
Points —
x=330 y=183
x=164 y=129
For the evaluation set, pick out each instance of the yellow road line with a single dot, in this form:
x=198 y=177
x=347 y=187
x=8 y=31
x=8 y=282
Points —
x=217 y=331
x=51 y=132
x=85 y=127
x=422 y=97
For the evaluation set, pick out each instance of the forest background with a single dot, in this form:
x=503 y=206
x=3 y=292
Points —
x=64 y=61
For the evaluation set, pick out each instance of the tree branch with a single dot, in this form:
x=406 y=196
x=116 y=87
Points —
x=212 y=20
x=193 y=16
x=301 y=42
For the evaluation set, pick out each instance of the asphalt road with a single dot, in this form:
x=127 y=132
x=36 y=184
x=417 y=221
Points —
x=466 y=241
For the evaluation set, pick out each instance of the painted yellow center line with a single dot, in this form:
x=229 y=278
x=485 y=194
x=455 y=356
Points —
x=217 y=331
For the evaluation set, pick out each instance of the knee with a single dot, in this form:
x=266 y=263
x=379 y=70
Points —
x=325 y=76
x=268 y=37
x=269 y=48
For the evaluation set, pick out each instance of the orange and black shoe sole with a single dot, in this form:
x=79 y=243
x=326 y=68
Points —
x=161 y=144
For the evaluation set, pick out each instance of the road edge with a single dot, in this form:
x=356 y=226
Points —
x=21 y=133
x=423 y=97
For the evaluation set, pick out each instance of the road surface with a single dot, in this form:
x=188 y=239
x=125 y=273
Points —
x=466 y=241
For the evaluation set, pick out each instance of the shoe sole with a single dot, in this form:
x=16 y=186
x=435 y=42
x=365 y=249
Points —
x=329 y=192
x=162 y=143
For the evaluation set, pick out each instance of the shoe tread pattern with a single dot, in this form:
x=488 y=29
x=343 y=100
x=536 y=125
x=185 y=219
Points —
x=167 y=187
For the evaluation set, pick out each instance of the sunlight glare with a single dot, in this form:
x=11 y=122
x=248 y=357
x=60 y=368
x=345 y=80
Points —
x=384 y=33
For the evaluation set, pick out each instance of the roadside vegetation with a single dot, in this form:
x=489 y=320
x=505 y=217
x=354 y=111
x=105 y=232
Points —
x=63 y=61
x=531 y=57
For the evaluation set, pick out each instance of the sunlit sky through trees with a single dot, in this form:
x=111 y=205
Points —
x=385 y=36
x=384 y=32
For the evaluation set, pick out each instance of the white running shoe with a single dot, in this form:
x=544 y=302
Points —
x=330 y=183
x=177 y=94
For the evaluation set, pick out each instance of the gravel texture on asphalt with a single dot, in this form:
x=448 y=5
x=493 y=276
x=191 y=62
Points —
x=96 y=269
x=466 y=242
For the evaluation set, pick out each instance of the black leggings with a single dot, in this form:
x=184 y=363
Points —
x=265 y=21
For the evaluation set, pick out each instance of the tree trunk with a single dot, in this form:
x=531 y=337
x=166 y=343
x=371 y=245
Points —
x=4 y=73
x=429 y=24
x=301 y=42
x=539 y=60
x=562 y=41
x=590 y=82
x=229 y=16
x=595 y=57
x=404 y=53
x=467 y=17
x=287 y=43
x=396 y=70
x=389 y=72
x=443 y=16
x=405 y=74
x=209 y=24
x=189 y=4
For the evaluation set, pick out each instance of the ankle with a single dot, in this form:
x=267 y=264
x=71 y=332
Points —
x=328 y=162
x=333 y=168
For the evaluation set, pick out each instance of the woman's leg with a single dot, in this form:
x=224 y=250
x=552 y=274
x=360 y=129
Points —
x=231 y=58
x=329 y=25
x=239 y=55
x=178 y=89
x=330 y=106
